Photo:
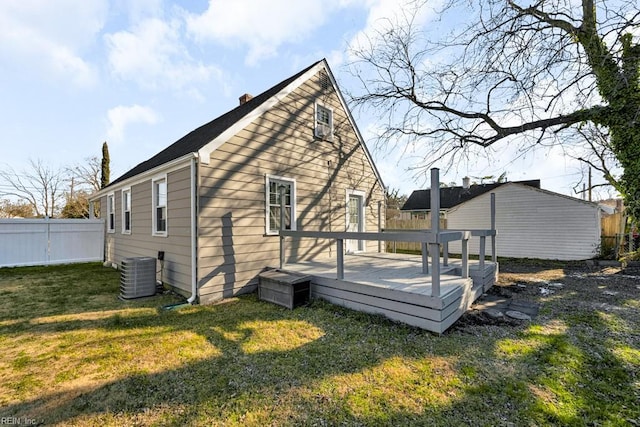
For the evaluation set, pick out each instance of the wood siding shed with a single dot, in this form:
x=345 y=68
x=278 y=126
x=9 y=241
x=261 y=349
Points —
x=532 y=223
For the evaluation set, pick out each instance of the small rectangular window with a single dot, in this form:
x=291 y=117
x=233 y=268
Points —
x=274 y=186
x=160 y=207
x=111 y=213
x=126 y=211
x=323 y=122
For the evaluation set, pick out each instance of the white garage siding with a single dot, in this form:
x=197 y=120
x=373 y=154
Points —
x=531 y=223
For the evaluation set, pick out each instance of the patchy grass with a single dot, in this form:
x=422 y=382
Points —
x=73 y=354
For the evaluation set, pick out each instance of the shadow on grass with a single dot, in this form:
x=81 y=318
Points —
x=327 y=364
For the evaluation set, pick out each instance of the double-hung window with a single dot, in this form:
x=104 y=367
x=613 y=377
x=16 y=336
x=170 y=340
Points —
x=323 y=122
x=126 y=211
x=274 y=188
x=159 y=187
x=111 y=213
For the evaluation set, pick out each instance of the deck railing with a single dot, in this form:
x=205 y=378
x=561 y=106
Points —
x=481 y=233
x=428 y=239
x=431 y=240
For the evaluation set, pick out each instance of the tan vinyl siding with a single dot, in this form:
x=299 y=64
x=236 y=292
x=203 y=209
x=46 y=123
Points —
x=532 y=223
x=141 y=242
x=233 y=247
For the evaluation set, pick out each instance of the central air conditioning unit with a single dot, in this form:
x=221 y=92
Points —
x=137 y=277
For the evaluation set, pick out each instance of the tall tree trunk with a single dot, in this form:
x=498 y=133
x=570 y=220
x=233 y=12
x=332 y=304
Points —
x=625 y=140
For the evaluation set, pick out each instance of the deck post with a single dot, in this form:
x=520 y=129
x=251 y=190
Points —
x=434 y=248
x=465 y=258
x=435 y=269
x=494 y=255
x=483 y=244
x=379 y=224
x=340 y=259
x=425 y=258
x=445 y=253
x=282 y=189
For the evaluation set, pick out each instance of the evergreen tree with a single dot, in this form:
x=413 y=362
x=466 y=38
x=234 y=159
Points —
x=104 y=178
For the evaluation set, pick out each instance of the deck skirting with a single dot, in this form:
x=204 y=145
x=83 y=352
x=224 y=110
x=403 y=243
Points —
x=423 y=312
x=393 y=286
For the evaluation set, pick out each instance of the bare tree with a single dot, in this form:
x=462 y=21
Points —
x=84 y=178
x=41 y=186
x=395 y=201
x=87 y=175
x=528 y=74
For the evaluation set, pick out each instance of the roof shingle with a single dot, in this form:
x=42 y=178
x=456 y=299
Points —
x=453 y=196
x=198 y=138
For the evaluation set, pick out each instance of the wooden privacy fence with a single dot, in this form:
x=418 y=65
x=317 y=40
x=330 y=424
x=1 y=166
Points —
x=614 y=240
x=409 y=224
x=50 y=241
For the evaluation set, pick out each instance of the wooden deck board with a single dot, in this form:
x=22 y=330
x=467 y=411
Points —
x=395 y=286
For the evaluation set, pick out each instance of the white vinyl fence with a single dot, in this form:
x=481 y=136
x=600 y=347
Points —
x=50 y=241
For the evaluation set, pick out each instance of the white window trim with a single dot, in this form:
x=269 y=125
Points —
x=363 y=196
x=164 y=233
x=124 y=191
x=111 y=207
x=294 y=216
x=315 y=121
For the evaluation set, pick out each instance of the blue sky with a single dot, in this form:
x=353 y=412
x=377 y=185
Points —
x=141 y=74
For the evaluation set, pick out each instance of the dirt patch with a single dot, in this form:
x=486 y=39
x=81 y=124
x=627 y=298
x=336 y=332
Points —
x=555 y=290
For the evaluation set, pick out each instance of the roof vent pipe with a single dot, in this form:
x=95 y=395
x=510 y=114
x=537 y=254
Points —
x=465 y=182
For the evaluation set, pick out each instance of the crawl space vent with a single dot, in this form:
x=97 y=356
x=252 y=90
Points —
x=137 y=277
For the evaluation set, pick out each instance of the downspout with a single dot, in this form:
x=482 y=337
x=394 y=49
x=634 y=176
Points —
x=194 y=229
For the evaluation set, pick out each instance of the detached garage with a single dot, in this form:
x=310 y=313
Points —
x=531 y=223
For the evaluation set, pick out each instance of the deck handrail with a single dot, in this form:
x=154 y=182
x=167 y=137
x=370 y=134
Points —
x=433 y=238
x=424 y=237
x=474 y=232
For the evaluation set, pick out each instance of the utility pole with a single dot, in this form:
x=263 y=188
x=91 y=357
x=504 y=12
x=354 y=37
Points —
x=589 y=183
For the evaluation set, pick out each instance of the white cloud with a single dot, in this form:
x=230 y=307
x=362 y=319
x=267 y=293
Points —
x=261 y=26
x=385 y=13
x=121 y=116
x=154 y=56
x=142 y=9
x=51 y=36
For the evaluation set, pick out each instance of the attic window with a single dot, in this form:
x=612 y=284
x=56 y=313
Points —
x=324 y=122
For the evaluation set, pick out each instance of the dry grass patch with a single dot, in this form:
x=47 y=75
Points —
x=76 y=355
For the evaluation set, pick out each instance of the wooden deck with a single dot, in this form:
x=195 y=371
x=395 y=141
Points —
x=395 y=286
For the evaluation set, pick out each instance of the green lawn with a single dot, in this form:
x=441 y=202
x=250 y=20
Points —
x=74 y=354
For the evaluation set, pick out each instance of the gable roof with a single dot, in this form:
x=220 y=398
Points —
x=523 y=186
x=453 y=196
x=198 y=138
